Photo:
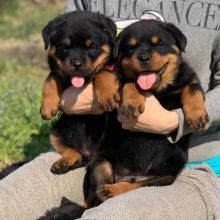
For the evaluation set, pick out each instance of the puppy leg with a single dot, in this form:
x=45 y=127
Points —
x=52 y=90
x=70 y=159
x=107 y=191
x=194 y=107
x=133 y=102
x=106 y=85
x=99 y=172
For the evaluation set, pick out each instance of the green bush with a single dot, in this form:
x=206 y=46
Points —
x=20 y=19
x=23 y=134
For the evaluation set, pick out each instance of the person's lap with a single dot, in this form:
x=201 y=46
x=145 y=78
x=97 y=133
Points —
x=194 y=195
x=31 y=190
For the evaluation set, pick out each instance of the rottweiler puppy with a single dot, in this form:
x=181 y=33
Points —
x=80 y=51
x=149 y=56
x=149 y=59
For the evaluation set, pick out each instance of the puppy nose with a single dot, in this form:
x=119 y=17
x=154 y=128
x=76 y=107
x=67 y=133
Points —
x=144 y=58
x=77 y=63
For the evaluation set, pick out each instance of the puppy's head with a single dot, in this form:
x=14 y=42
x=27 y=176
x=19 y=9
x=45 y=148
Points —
x=149 y=52
x=79 y=43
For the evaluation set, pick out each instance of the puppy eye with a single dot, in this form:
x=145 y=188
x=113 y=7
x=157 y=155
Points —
x=130 y=48
x=161 y=44
x=63 y=47
x=93 y=47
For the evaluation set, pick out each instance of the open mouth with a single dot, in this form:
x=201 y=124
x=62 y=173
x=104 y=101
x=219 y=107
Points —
x=147 y=78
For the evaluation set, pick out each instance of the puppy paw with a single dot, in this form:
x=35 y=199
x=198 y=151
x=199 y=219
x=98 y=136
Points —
x=132 y=109
x=105 y=192
x=63 y=166
x=49 y=111
x=194 y=107
x=108 y=101
x=107 y=90
x=133 y=102
x=197 y=119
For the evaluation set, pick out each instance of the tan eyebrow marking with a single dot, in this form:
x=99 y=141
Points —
x=89 y=42
x=67 y=41
x=133 y=41
x=154 y=40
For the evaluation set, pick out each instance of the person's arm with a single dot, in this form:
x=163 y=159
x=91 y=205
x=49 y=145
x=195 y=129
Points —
x=154 y=119
x=80 y=101
x=83 y=101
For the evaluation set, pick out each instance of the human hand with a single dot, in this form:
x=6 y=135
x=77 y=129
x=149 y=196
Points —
x=154 y=119
x=80 y=101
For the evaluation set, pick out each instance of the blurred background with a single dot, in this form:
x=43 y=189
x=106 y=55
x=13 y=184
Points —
x=23 y=68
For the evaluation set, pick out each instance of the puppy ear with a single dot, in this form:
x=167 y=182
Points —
x=47 y=32
x=180 y=38
x=108 y=26
x=116 y=49
x=50 y=29
x=65 y=201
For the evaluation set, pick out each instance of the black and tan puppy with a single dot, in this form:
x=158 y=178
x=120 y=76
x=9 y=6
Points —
x=149 y=59
x=80 y=47
x=149 y=56
x=80 y=51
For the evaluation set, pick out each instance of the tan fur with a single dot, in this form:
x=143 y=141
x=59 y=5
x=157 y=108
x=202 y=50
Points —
x=89 y=43
x=106 y=85
x=132 y=42
x=52 y=90
x=69 y=155
x=194 y=108
x=67 y=42
x=169 y=74
x=133 y=102
x=155 y=40
x=98 y=64
x=52 y=53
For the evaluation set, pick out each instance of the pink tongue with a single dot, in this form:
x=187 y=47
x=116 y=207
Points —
x=77 y=81
x=146 y=80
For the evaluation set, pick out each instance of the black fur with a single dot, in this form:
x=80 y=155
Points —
x=67 y=210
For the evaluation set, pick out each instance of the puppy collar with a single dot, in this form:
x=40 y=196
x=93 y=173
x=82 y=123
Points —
x=110 y=68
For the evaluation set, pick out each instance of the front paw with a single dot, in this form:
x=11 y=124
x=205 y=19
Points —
x=133 y=101
x=197 y=119
x=108 y=100
x=48 y=111
x=132 y=108
x=106 y=86
x=63 y=165
x=105 y=192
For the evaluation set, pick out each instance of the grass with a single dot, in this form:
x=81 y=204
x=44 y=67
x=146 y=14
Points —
x=21 y=19
x=23 y=134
